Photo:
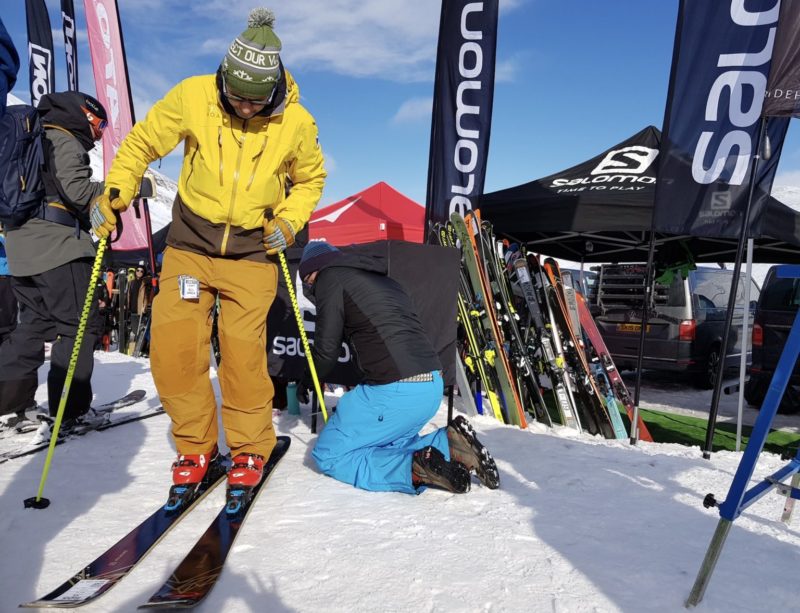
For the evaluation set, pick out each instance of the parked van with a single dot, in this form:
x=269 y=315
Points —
x=774 y=316
x=685 y=321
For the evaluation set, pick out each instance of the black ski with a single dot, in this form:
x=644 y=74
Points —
x=111 y=567
x=120 y=403
x=30 y=449
x=194 y=577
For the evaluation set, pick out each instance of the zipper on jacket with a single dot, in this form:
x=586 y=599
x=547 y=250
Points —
x=256 y=160
x=219 y=142
x=226 y=234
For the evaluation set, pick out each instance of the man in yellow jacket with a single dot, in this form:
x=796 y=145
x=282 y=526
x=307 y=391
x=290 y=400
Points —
x=245 y=134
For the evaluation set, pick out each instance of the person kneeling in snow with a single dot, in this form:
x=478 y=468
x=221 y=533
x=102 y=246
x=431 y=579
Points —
x=372 y=440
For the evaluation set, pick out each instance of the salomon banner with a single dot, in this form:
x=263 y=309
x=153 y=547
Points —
x=70 y=43
x=462 y=108
x=783 y=86
x=111 y=81
x=712 y=122
x=41 y=70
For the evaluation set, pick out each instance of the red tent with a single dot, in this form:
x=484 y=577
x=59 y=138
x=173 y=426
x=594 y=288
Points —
x=379 y=212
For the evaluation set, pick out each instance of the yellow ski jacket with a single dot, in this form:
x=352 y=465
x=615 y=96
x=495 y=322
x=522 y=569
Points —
x=233 y=169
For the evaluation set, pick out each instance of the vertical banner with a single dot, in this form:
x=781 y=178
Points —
x=41 y=70
x=462 y=107
x=110 y=77
x=70 y=44
x=716 y=93
x=783 y=86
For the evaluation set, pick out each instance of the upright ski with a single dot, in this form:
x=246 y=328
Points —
x=111 y=567
x=194 y=577
x=615 y=379
x=488 y=317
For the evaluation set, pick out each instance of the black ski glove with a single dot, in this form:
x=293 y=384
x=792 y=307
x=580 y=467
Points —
x=304 y=388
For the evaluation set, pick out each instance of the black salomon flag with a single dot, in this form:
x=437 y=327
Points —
x=70 y=43
x=719 y=77
x=462 y=107
x=783 y=87
x=40 y=50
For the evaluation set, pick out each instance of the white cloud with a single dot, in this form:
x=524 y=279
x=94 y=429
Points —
x=330 y=161
x=378 y=39
x=790 y=178
x=505 y=71
x=414 y=110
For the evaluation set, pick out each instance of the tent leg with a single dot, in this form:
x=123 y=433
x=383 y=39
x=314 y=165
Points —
x=709 y=562
x=745 y=342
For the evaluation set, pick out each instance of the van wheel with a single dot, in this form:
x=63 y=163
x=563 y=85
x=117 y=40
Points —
x=754 y=391
x=706 y=378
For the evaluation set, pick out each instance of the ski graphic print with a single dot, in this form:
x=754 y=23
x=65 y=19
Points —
x=199 y=571
x=121 y=558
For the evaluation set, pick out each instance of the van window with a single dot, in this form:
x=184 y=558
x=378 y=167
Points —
x=780 y=294
x=713 y=287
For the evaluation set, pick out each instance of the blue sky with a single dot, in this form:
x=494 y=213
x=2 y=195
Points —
x=573 y=77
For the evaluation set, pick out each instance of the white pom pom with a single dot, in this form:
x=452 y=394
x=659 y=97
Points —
x=260 y=17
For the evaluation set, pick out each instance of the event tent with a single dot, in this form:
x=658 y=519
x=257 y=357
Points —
x=379 y=212
x=601 y=209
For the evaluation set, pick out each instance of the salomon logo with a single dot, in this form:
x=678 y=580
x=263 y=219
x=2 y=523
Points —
x=629 y=160
x=41 y=62
x=466 y=153
x=69 y=46
x=738 y=95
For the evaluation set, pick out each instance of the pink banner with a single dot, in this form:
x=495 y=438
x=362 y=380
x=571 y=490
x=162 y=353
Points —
x=110 y=77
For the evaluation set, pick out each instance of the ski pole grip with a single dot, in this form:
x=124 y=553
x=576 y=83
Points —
x=113 y=194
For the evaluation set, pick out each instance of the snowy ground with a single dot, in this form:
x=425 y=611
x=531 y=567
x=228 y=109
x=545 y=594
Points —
x=579 y=524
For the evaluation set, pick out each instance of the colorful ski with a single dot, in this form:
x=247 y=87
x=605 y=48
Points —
x=482 y=294
x=194 y=577
x=591 y=400
x=119 y=560
x=549 y=346
x=617 y=384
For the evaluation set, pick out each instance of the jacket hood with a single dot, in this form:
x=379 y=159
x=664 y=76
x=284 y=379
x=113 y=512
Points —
x=63 y=109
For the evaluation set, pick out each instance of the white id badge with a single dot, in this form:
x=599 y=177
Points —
x=189 y=287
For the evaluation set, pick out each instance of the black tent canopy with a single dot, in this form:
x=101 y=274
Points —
x=601 y=209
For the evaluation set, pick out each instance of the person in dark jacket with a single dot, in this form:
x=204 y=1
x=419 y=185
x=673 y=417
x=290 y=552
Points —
x=9 y=66
x=50 y=258
x=372 y=441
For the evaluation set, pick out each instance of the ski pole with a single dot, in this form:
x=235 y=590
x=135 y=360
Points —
x=287 y=276
x=38 y=502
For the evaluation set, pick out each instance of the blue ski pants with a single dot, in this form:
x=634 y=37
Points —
x=370 y=440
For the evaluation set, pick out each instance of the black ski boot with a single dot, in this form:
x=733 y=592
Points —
x=467 y=449
x=428 y=467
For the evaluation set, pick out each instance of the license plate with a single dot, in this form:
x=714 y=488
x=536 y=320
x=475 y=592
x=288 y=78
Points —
x=631 y=327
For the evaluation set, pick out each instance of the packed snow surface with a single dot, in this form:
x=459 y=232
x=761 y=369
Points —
x=579 y=524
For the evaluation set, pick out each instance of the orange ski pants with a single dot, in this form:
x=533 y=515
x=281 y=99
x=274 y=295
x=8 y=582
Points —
x=180 y=352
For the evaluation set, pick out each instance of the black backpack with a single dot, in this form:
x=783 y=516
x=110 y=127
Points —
x=22 y=190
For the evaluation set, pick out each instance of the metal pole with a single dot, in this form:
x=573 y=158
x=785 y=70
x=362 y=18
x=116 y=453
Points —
x=745 y=342
x=648 y=291
x=737 y=267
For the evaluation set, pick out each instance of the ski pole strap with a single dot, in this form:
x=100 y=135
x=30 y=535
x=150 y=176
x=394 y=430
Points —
x=73 y=361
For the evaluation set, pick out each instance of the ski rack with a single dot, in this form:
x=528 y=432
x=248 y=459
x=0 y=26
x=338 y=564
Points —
x=739 y=497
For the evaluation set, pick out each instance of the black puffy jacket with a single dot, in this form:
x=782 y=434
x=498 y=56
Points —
x=357 y=302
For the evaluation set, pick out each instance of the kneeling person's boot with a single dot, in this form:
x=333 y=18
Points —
x=467 y=449
x=428 y=467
